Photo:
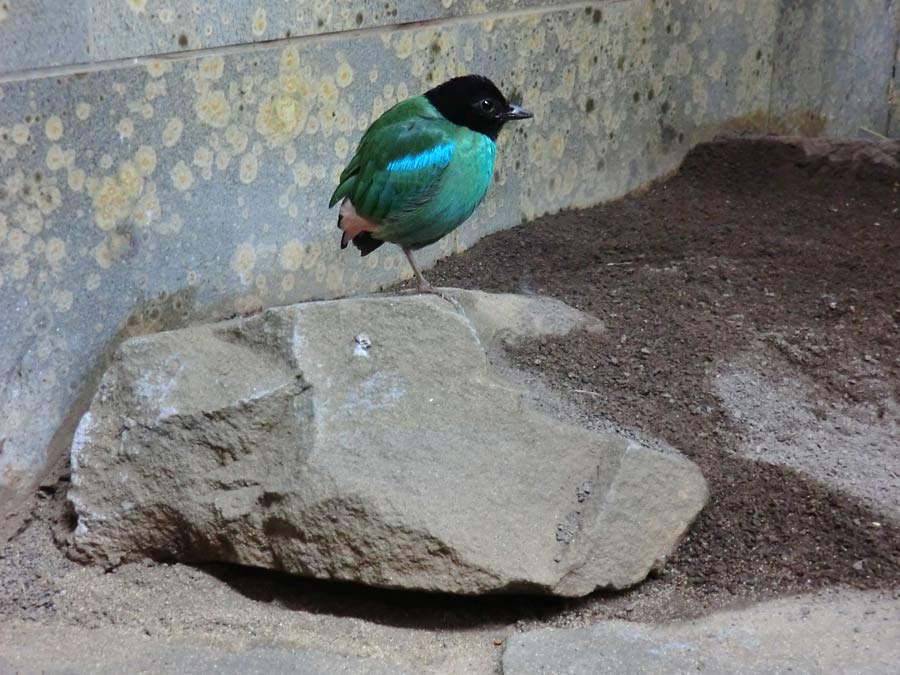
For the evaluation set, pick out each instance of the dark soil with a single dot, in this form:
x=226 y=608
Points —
x=751 y=241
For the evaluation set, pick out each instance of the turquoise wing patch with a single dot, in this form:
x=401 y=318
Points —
x=398 y=166
x=439 y=155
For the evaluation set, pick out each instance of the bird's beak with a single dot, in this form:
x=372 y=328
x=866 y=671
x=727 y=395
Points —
x=515 y=112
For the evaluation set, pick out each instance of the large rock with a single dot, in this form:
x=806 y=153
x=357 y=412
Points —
x=369 y=440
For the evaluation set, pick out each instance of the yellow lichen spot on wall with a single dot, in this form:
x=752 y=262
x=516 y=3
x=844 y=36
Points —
x=328 y=90
x=373 y=74
x=557 y=144
x=4 y=13
x=344 y=75
x=182 y=177
x=290 y=155
x=53 y=128
x=302 y=174
x=158 y=67
x=281 y=119
x=20 y=269
x=75 y=180
x=447 y=3
x=50 y=199
x=83 y=111
x=223 y=159
x=404 y=45
x=377 y=107
x=203 y=157
x=145 y=160
x=249 y=167
x=32 y=221
x=130 y=181
x=17 y=240
x=106 y=161
x=56 y=158
x=212 y=67
x=109 y=203
x=243 y=261
x=287 y=283
x=137 y=6
x=312 y=125
x=102 y=255
x=154 y=89
x=344 y=121
x=289 y=59
x=63 y=300
x=469 y=50
x=20 y=134
x=147 y=208
x=236 y=138
x=92 y=283
x=402 y=91
x=341 y=147
x=294 y=83
x=213 y=108
x=166 y=15
x=258 y=26
x=291 y=256
x=423 y=38
x=172 y=133
x=125 y=127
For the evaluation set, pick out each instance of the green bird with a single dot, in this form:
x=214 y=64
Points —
x=423 y=167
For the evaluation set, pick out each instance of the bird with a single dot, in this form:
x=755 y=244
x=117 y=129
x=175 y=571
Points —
x=423 y=167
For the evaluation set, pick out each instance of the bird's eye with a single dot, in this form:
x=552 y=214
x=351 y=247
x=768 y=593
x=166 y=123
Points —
x=487 y=105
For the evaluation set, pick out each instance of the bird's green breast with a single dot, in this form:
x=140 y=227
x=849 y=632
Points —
x=462 y=187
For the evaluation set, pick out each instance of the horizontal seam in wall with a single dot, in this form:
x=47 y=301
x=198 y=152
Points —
x=250 y=47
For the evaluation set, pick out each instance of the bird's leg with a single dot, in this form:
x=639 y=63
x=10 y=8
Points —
x=424 y=286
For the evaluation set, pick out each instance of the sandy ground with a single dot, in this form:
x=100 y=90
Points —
x=752 y=305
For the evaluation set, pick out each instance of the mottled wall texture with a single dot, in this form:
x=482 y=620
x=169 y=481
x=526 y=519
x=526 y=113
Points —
x=164 y=162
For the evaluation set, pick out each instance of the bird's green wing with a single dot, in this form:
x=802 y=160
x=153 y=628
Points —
x=399 y=162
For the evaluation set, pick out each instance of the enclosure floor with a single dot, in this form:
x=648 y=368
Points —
x=752 y=306
x=752 y=312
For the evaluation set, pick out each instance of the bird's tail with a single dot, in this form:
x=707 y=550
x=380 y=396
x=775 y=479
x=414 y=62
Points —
x=357 y=229
x=366 y=243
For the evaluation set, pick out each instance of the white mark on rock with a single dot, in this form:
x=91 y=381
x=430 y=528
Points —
x=361 y=346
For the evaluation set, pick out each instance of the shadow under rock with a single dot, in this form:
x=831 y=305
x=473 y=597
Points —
x=392 y=607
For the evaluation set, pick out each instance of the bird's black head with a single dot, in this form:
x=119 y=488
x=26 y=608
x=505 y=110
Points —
x=474 y=101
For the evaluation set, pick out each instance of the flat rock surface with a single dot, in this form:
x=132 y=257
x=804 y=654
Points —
x=112 y=652
x=369 y=440
x=841 y=634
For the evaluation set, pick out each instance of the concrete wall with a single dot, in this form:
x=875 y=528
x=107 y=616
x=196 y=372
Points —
x=833 y=66
x=141 y=193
